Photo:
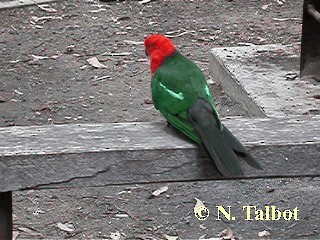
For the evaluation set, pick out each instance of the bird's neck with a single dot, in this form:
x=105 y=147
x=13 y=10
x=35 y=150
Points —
x=157 y=58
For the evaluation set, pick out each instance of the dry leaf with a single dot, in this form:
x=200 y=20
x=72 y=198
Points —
x=180 y=34
x=157 y=192
x=168 y=237
x=117 y=54
x=29 y=231
x=144 y=1
x=287 y=19
x=199 y=203
x=15 y=235
x=115 y=236
x=264 y=233
x=210 y=81
x=37 y=57
x=280 y=2
x=14 y=61
x=45 y=18
x=202 y=227
x=47 y=8
x=121 y=215
x=67 y=227
x=93 y=61
x=18 y=92
x=133 y=42
x=227 y=234
x=102 y=78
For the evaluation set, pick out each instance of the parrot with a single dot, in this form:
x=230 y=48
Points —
x=181 y=93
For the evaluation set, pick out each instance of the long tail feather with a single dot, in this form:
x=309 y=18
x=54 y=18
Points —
x=221 y=145
x=240 y=149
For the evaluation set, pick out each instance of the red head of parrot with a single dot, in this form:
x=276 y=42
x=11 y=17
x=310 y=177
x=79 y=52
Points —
x=158 y=48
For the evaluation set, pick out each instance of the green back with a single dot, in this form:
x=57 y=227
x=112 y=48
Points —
x=175 y=87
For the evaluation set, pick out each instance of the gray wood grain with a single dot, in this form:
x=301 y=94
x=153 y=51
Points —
x=265 y=79
x=114 y=153
x=22 y=3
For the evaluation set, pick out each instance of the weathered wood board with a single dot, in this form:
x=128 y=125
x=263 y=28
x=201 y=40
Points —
x=265 y=79
x=22 y=3
x=115 y=153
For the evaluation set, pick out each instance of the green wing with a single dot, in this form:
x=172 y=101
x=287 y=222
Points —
x=169 y=104
x=175 y=87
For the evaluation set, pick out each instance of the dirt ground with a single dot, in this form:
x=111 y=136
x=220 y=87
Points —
x=45 y=78
x=63 y=88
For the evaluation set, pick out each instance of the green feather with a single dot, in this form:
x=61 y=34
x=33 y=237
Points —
x=175 y=87
x=180 y=92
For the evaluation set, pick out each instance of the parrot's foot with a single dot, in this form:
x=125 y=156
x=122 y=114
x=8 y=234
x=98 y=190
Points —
x=168 y=124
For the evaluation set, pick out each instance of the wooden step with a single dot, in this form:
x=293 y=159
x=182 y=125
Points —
x=118 y=153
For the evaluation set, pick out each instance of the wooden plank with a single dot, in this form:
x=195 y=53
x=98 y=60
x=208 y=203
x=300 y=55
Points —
x=265 y=79
x=22 y=3
x=231 y=85
x=6 y=215
x=172 y=212
x=113 y=153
